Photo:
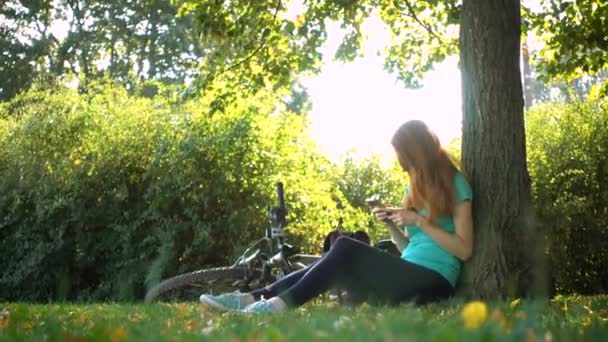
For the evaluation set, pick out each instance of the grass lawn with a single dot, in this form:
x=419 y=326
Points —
x=572 y=318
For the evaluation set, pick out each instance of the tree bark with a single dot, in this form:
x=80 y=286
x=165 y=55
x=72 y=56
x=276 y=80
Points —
x=493 y=149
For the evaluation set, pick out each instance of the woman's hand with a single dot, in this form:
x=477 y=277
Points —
x=398 y=234
x=398 y=216
x=403 y=217
x=381 y=213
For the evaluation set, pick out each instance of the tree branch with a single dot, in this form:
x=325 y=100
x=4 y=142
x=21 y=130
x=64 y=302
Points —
x=412 y=14
x=198 y=79
x=265 y=34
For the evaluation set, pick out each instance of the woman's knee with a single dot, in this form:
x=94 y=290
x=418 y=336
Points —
x=346 y=243
x=347 y=251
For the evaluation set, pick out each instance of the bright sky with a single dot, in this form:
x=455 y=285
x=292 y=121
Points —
x=358 y=106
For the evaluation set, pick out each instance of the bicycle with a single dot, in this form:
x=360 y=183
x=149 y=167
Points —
x=265 y=261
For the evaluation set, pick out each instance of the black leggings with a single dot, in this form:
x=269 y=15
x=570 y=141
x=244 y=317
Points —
x=367 y=273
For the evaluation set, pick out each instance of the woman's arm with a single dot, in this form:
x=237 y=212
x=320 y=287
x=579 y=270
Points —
x=398 y=235
x=459 y=243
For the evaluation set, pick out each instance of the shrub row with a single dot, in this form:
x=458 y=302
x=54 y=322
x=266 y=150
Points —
x=568 y=164
x=103 y=194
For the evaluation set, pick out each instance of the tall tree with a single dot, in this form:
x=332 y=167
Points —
x=131 y=41
x=494 y=148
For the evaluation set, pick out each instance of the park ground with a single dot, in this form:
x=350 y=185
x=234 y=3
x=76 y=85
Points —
x=564 y=318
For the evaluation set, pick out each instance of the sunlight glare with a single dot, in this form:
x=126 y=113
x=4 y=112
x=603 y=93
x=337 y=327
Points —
x=357 y=106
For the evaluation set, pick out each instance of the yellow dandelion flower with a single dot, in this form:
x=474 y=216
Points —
x=77 y=162
x=587 y=321
x=474 y=314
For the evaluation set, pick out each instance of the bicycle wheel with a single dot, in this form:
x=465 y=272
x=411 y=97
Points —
x=189 y=286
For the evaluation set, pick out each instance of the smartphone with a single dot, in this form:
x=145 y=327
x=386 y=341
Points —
x=373 y=202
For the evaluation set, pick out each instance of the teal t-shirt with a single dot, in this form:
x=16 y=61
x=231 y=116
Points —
x=424 y=251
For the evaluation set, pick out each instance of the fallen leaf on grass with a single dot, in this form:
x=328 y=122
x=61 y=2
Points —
x=83 y=319
x=191 y=325
x=500 y=318
x=182 y=308
x=73 y=338
x=530 y=336
x=5 y=316
x=205 y=312
x=118 y=334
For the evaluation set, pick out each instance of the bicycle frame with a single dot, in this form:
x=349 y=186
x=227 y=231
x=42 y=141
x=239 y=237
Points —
x=281 y=256
x=280 y=259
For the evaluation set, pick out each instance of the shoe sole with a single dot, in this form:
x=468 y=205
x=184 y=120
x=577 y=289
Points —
x=210 y=303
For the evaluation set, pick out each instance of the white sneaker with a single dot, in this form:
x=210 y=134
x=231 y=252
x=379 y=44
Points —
x=272 y=305
x=227 y=301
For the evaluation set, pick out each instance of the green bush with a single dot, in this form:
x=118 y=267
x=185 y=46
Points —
x=102 y=193
x=568 y=164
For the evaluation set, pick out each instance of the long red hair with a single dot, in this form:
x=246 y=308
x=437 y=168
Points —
x=430 y=168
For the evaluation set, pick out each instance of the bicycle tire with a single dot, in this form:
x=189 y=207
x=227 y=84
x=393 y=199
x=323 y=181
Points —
x=189 y=286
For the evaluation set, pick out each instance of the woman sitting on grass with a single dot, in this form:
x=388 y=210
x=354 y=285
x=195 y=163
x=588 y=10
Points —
x=433 y=230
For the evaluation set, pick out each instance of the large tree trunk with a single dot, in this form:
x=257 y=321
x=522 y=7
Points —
x=493 y=148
